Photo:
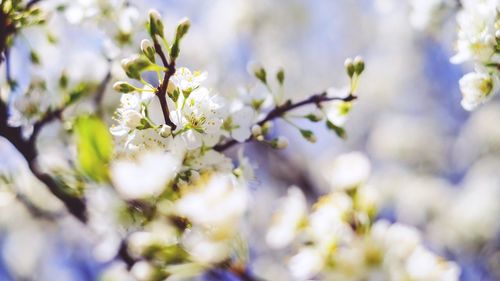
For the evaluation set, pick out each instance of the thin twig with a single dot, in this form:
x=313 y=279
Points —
x=279 y=111
x=161 y=91
x=31 y=3
x=99 y=95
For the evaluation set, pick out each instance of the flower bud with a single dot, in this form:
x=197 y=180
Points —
x=182 y=29
x=138 y=242
x=165 y=130
x=359 y=65
x=123 y=87
x=155 y=24
x=309 y=135
x=143 y=271
x=131 y=118
x=148 y=50
x=280 y=143
x=133 y=66
x=349 y=67
x=280 y=76
x=256 y=130
x=266 y=127
x=260 y=73
x=315 y=116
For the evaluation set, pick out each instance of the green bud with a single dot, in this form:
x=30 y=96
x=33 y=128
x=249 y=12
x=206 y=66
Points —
x=338 y=130
x=148 y=50
x=63 y=80
x=34 y=57
x=261 y=74
x=182 y=29
x=314 y=117
x=155 y=24
x=280 y=76
x=256 y=130
x=359 y=65
x=123 y=87
x=349 y=67
x=279 y=143
x=266 y=127
x=134 y=65
x=309 y=135
x=165 y=130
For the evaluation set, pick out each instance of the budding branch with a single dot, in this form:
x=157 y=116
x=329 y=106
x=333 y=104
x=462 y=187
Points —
x=280 y=110
x=161 y=91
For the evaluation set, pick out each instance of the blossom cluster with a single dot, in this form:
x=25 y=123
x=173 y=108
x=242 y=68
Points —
x=479 y=43
x=191 y=197
x=341 y=239
x=164 y=200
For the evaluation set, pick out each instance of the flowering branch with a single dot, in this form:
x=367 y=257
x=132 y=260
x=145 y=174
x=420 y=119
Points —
x=281 y=110
x=161 y=91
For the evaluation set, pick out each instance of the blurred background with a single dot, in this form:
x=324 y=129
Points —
x=435 y=165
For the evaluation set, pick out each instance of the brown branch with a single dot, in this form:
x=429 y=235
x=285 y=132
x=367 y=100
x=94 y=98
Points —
x=32 y=3
x=37 y=212
x=279 y=111
x=27 y=148
x=99 y=95
x=161 y=90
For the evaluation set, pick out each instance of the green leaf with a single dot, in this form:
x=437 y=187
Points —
x=338 y=130
x=94 y=147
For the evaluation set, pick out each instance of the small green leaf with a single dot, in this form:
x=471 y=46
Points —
x=94 y=147
x=338 y=130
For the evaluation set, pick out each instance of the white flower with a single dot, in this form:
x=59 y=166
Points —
x=337 y=111
x=156 y=233
x=347 y=171
x=476 y=37
x=306 y=264
x=203 y=249
x=286 y=221
x=327 y=224
x=239 y=123
x=210 y=160
x=215 y=207
x=400 y=241
x=117 y=271
x=187 y=81
x=129 y=114
x=150 y=139
x=423 y=265
x=218 y=203
x=426 y=13
x=477 y=88
x=257 y=97
x=146 y=177
x=199 y=118
x=28 y=109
